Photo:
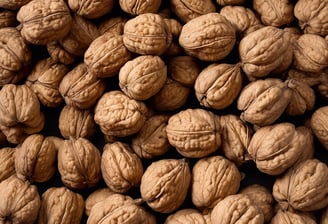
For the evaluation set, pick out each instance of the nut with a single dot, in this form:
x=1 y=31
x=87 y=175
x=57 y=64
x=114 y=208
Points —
x=7 y=18
x=13 y=5
x=59 y=54
x=230 y=2
x=113 y=25
x=319 y=125
x=91 y=9
x=96 y=196
x=324 y=216
x=287 y=217
x=137 y=7
x=187 y=215
x=7 y=163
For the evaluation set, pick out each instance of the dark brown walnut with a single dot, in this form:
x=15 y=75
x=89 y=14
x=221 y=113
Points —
x=44 y=21
x=91 y=9
x=195 y=133
x=35 y=159
x=60 y=205
x=142 y=77
x=15 y=55
x=80 y=88
x=119 y=115
x=218 y=85
x=151 y=141
x=324 y=216
x=187 y=215
x=13 y=5
x=121 y=168
x=209 y=37
x=235 y=137
x=76 y=123
x=137 y=7
x=312 y=16
x=174 y=26
x=7 y=18
x=7 y=163
x=44 y=80
x=96 y=196
x=213 y=179
x=262 y=198
x=165 y=183
x=106 y=55
x=59 y=54
x=3 y=139
x=20 y=201
x=113 y=25
x=323 y=85
x=147 y=34
x=237 y=208
x=20 y=113
x=303 y=187
x=230 y=2
x=121 y=209
x=187 y=10
x=319 y=125
x=79 y=163
x=289 y=217
x=262 y=102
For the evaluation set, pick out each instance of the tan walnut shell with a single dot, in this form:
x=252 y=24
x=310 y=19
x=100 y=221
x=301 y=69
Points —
x=35 y=159
x=112 y=25
x=7 y=163
x=137 y=7
x=44 y=21
x=106 y=55
x=288 y=217
x=218 y=85
x=142 y=77
x=59 y=54
x=147 y=34
x=213 y=179
x=13 y=5
x=80 y=88
x=187 y=215
x=20 y=201
x=194 y=132
x=311 y=79
x=20 y=113
x=8 y=18
x=44 y=80
x=76 y=123
x=230 y=2
x=60 y=205
x=91 y=9
x=79 y=163
x=303 y=187
x=120 y=209
x=165 y=183
x=236 y=208
x=319 y=125
x=96 y=196
x=119 y=115
x=121 y=168
x=188 y=10
x=209 y=37
x=262 y=102
x=151 y=141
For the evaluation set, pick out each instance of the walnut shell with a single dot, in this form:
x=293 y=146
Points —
x=137 y=7
x=20 y=201
x=7 y=163
x=288 y=217
x=13 y=5
x=324 y=216
x=80 y=88
x=96 y=196
x=8 y=18
x=237 y=208
x=194 y=132
x=91 y=9
x=230 y=2
x=79 y=163
x=142 y=77
x=218 y=85
x=312 y=79
x=121 y=168
x=209 y=37
x=44 y=21
x=213 y=179
x=187 y=215
x=303 y=187
x=319 y=125
x=60 y=205
x=106 y=55
x=59 y=54
x=174 y=26
x=119 y=115
x=113 y=24
x=165 y=183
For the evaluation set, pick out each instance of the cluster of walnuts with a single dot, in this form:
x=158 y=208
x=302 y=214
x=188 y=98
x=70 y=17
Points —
x=170 y=99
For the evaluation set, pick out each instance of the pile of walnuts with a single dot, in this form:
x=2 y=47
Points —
x=131 y=111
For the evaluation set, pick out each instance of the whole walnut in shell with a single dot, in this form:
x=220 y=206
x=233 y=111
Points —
x=289 y=217
x=96 y=196
x=165 y=183
x=8 y=18
x=59 y=54
x=230 y=2
x=137 y=7
x=319 y=125
x=113 y=25
x=7 y=163
x=187 y=215
x=60 y=205
x=91 y=9
x=13 y=4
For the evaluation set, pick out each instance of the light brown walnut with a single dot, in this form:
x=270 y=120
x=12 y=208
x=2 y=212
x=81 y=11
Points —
x=59 y=54
x=113 y=25
x=319 y=125
x=311 y=79
x=91 y=9
x=288 y=217
x=137 y=7
x=187 y=215
x=7 y=163
x=96 y=196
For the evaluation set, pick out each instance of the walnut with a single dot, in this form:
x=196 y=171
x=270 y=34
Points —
x=91 y=9
x=312 y=79
x=96 y=196
x=324 y=216
x=121 y=168
x=59 y=54
x=194 y=132
x=113 y=24
x=120 y=209
x=137 y=7
x=80 y=88
x=147 y=34
x=319 y=125
x=188 y=10
x=106 y=55
x=142 y=77
x=262 y=102
x=20 y=113
x=187 y=215
x=7 y=163
x=20 y=201
x=237 y=208
x=303 y=187
x=165 y=183
x=35 y=159
x=44 y=80
x=174 y=26
x=213 y=179
x=119 y=115
x=230 y=2
x=76 y=123
x=218 y=85
x=44 y=21
x=7 y=18
x=60 y=205
x=13 y=5
x=288 y=217
x=209 y=37
x=79 y=163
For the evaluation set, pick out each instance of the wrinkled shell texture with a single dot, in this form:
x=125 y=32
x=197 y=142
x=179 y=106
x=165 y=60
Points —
x=191 y=216
x=287 y=217
x=59 y=54
x=13 y=5
x=319 y=125
x=91 y=9
x=7 y=162
x=7 y=18
x=137 y=7
x=230 y=2
x=112 y=25
x=95 y=197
